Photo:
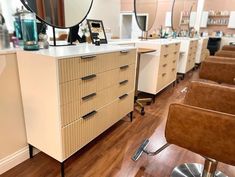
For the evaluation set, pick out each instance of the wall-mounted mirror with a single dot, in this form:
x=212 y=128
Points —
x=184 y=14
x=145 y=13
x=60 y=13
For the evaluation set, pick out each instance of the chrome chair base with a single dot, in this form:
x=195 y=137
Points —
x=193 y=170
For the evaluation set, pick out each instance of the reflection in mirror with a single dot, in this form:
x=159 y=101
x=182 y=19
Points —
x=184 y=15
x=145 y=12
x=60 y=13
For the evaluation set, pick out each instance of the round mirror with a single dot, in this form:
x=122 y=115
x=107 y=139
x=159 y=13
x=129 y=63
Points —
x=60 y=13
x=145 y=13
x=183 y=14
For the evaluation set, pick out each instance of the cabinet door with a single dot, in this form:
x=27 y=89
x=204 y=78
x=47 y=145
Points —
x=204 y=19
x=168 y=19
x=193 y=17
x=231 y=23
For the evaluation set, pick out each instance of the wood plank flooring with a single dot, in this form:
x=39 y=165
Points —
x=110 y=154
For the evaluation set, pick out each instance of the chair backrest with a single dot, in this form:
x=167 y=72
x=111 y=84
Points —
x=211 y=96
x=228 y=47
x=220 y=70
x=208 y=133
x=225 y=53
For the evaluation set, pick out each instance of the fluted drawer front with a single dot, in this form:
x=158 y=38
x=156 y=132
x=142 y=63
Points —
x=75 y=89
x=76 y=109
x=126 y=57
x=125 y=104
x=84 y=130
x=74 y=68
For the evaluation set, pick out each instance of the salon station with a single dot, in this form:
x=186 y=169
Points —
x=117 y=88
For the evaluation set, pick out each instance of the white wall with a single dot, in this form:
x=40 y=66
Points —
x=8 y=7
x=109 y=12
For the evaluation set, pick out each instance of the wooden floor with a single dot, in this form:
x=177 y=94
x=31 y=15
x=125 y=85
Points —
x=110 y=154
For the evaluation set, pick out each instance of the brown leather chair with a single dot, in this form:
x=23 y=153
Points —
x=204 y=124
x=228 y=47
x=218 y=69
x=225 y=53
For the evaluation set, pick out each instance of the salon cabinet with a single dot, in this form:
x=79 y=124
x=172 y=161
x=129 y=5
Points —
x=158 y=69
x=188 y=51
x=201 y=50
x=73 y=94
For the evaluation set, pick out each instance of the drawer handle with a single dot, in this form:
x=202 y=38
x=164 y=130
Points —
x=124 y=51
x=92 y=113
x=166 y=46
x=164 y=65
x=163 y=74
x=88 y=77
x=123 y=82
x=191 y=48
x=173 y=69
x=123 y=96
x=124 y=67
x=88 y=96
x=175 y=53
x=176 y=44
x=88 y=57
x=165 y=55
x=174 y=61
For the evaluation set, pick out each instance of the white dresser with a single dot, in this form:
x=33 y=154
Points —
x=188 y=51
x=73 y=94
x=202 y=50
x=158 y=69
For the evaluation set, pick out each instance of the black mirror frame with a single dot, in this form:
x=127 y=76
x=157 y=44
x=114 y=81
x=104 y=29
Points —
x=172 y=16
x=54 y=26
x=135 y=12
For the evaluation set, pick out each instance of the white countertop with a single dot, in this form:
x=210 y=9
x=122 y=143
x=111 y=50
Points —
x=80 y=50
x=9 y=51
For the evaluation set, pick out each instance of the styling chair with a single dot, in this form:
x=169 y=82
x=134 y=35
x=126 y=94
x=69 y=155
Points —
x=229 y=47
x=204 y=124
x=225 y=53
x=218 y=69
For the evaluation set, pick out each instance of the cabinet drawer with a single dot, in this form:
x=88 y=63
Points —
x=126 y=57
x=125 y=86
x=75 y=89
x=162 y=80
x=126 y=72
x=107 y=62
x=172 y=74
x=84 y=130
x=75 y=68
x=88 y=103
x=125 y=104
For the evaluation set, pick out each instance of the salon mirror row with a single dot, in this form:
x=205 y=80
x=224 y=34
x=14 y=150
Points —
x=160 y=18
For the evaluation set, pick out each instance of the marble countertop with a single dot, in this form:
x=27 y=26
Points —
x=80 y=50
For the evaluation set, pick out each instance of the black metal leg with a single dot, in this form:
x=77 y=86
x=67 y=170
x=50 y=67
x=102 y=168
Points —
x=131 y=116
x=183 y=75
x=62 y=169
x=30 y=151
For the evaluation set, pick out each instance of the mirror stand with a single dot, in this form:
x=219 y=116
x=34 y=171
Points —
x=54 y=40
x=144 y=36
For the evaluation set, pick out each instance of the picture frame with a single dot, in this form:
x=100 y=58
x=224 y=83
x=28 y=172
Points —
x=96 y=29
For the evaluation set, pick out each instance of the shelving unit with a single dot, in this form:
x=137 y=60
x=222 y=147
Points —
x=218 y=18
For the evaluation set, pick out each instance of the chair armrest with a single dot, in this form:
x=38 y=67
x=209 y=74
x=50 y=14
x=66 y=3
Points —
x=208 y=133
x=211 y=96
x=220 y=70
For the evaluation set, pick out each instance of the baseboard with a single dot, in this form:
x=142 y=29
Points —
x=14 y=159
